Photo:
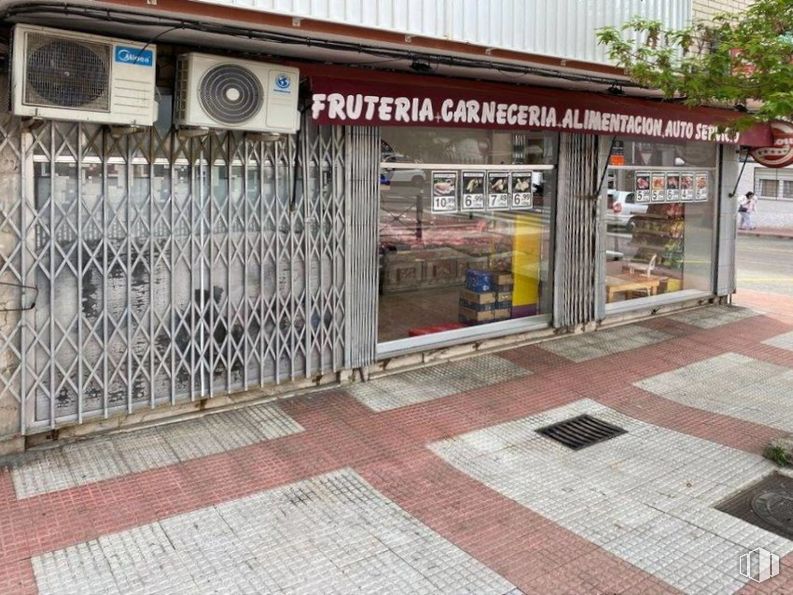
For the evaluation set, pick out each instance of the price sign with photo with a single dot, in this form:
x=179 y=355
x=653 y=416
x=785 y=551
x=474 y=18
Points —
x=444 y=191
x=686 y=187
x=701 y=186
x=522 y=196
x=672 y=187
x=658 y=185
x=498 y=190
x=473 y=191
x=643 y=187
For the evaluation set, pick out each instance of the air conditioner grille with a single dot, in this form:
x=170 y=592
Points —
x=67 y=73
x=230 y=94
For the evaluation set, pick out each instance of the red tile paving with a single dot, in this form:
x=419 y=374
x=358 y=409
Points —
x=775 y=305
x=531 y=552
x=388 y=449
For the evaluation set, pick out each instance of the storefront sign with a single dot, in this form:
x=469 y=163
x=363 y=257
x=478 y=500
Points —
x=494 y=106
x=686 y=187
x=701 y=186
x=473 y=191
x=671 y=187
x=444 y=191
x=522 y=195
x=498 y=195
x=781 y=153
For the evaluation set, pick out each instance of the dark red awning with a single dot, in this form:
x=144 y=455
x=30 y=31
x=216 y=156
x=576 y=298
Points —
x=346 y=96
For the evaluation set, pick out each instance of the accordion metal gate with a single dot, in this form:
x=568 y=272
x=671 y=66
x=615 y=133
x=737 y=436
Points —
x=168 y=268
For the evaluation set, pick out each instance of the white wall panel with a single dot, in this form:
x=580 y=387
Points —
x=562 y=28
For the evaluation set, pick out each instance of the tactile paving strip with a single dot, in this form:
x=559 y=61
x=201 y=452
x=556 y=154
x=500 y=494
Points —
x=434 y=382
x=730 y=384
x=333 y=533
x=713 y=316
x=105 y=458
x=587 y=346
x=646 y=496
x=784 y=341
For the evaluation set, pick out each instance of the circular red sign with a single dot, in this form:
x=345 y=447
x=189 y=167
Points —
x=781 y=154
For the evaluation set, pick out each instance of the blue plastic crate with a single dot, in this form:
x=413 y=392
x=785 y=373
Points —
x=479 y=281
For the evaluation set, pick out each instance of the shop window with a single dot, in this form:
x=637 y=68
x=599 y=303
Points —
x=464 y=229
x=787 y=189
x=766 y=188
x=659 y=222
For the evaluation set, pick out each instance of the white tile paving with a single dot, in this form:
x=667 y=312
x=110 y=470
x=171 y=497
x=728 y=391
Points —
x=113 y=456
x=781 y=341
x=713 y=316
x=646 y=496
x=333 y=533
x=731 y=384
x=434 y=382
x=586 y=346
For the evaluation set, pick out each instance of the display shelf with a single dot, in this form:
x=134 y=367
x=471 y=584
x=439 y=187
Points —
x=664 y=234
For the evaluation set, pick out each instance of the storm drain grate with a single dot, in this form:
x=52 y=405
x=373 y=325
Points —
x=767 y=504
x=580 y=432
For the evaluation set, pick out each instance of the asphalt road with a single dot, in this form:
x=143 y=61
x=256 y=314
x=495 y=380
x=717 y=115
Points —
x=765 y=264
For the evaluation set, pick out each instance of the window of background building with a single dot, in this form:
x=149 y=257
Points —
x=787 y=189
x=665 y=245
x=443 y=271
x=766 y=188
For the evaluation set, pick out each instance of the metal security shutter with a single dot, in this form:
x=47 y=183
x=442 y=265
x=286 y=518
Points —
x=363 y=159
x=170 y=268
x=576 y=231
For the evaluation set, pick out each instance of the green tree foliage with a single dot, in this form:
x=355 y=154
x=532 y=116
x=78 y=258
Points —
x=735 y=59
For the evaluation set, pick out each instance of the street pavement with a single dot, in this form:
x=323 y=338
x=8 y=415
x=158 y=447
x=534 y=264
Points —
x=765 y=264
x=436 y=480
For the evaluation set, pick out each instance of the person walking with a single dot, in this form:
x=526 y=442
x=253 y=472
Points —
x=747 y=209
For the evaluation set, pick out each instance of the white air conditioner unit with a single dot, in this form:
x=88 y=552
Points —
x=73 y=76
x=219 y=92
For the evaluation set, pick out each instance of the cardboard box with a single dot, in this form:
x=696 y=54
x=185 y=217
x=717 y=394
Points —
x=477 y=307
x=478 y=297
x=501 y=278
x=503 y=296
x=502 y=313
x=468 y=315
x=503 y=288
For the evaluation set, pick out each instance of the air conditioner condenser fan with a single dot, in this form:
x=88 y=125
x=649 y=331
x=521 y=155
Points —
x=67 y=73
x=230 y=94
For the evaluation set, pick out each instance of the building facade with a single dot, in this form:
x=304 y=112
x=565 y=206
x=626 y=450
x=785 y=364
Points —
x=450 y=179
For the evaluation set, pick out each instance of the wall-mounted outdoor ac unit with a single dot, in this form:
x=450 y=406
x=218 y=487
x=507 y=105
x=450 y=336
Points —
x=73 y=76
x=219 y=92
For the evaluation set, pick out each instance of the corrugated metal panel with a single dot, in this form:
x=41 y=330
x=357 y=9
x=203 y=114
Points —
x=363 y=159
x=562 y=28
x=167 y=268
x=576 y=231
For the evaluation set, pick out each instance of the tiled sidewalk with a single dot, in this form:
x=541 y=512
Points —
x=435 y=480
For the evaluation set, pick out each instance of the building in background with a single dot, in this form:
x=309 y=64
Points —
x=213 y=201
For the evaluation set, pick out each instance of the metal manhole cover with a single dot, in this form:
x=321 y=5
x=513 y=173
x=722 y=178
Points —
x=767 y=504
x=580 y=432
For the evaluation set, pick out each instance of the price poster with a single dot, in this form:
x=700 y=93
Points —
x=658 y=184
x=673 y=187
x=444 y=191
x=522 y=196
x=642 y=187
x=687 y=187
x=498 y=190
x=701 y=181
x=473 y=191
